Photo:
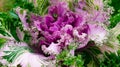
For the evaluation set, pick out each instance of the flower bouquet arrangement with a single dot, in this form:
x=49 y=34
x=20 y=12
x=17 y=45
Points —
x=59 y=33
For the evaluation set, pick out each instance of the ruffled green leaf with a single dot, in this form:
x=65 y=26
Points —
x=65 y=58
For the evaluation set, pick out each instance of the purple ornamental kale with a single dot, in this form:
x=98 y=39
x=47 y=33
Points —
x=60 y=27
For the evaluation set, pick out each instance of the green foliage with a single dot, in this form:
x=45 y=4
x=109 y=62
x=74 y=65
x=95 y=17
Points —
x=83 y=57
x=7 y=5
x=15 y=52
x=26 y=4
x=9 y=22
x=115 y=4
x=69 y=60
x=110 y=60
x=27 y=38
x=3 y=30
x=115 y=17
x=114 y=20
x=71 y=5
x=118 y=37
x=41 y=6
x=90 y=54
x=74 y=60
x=2 y=41
x=65 y=58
